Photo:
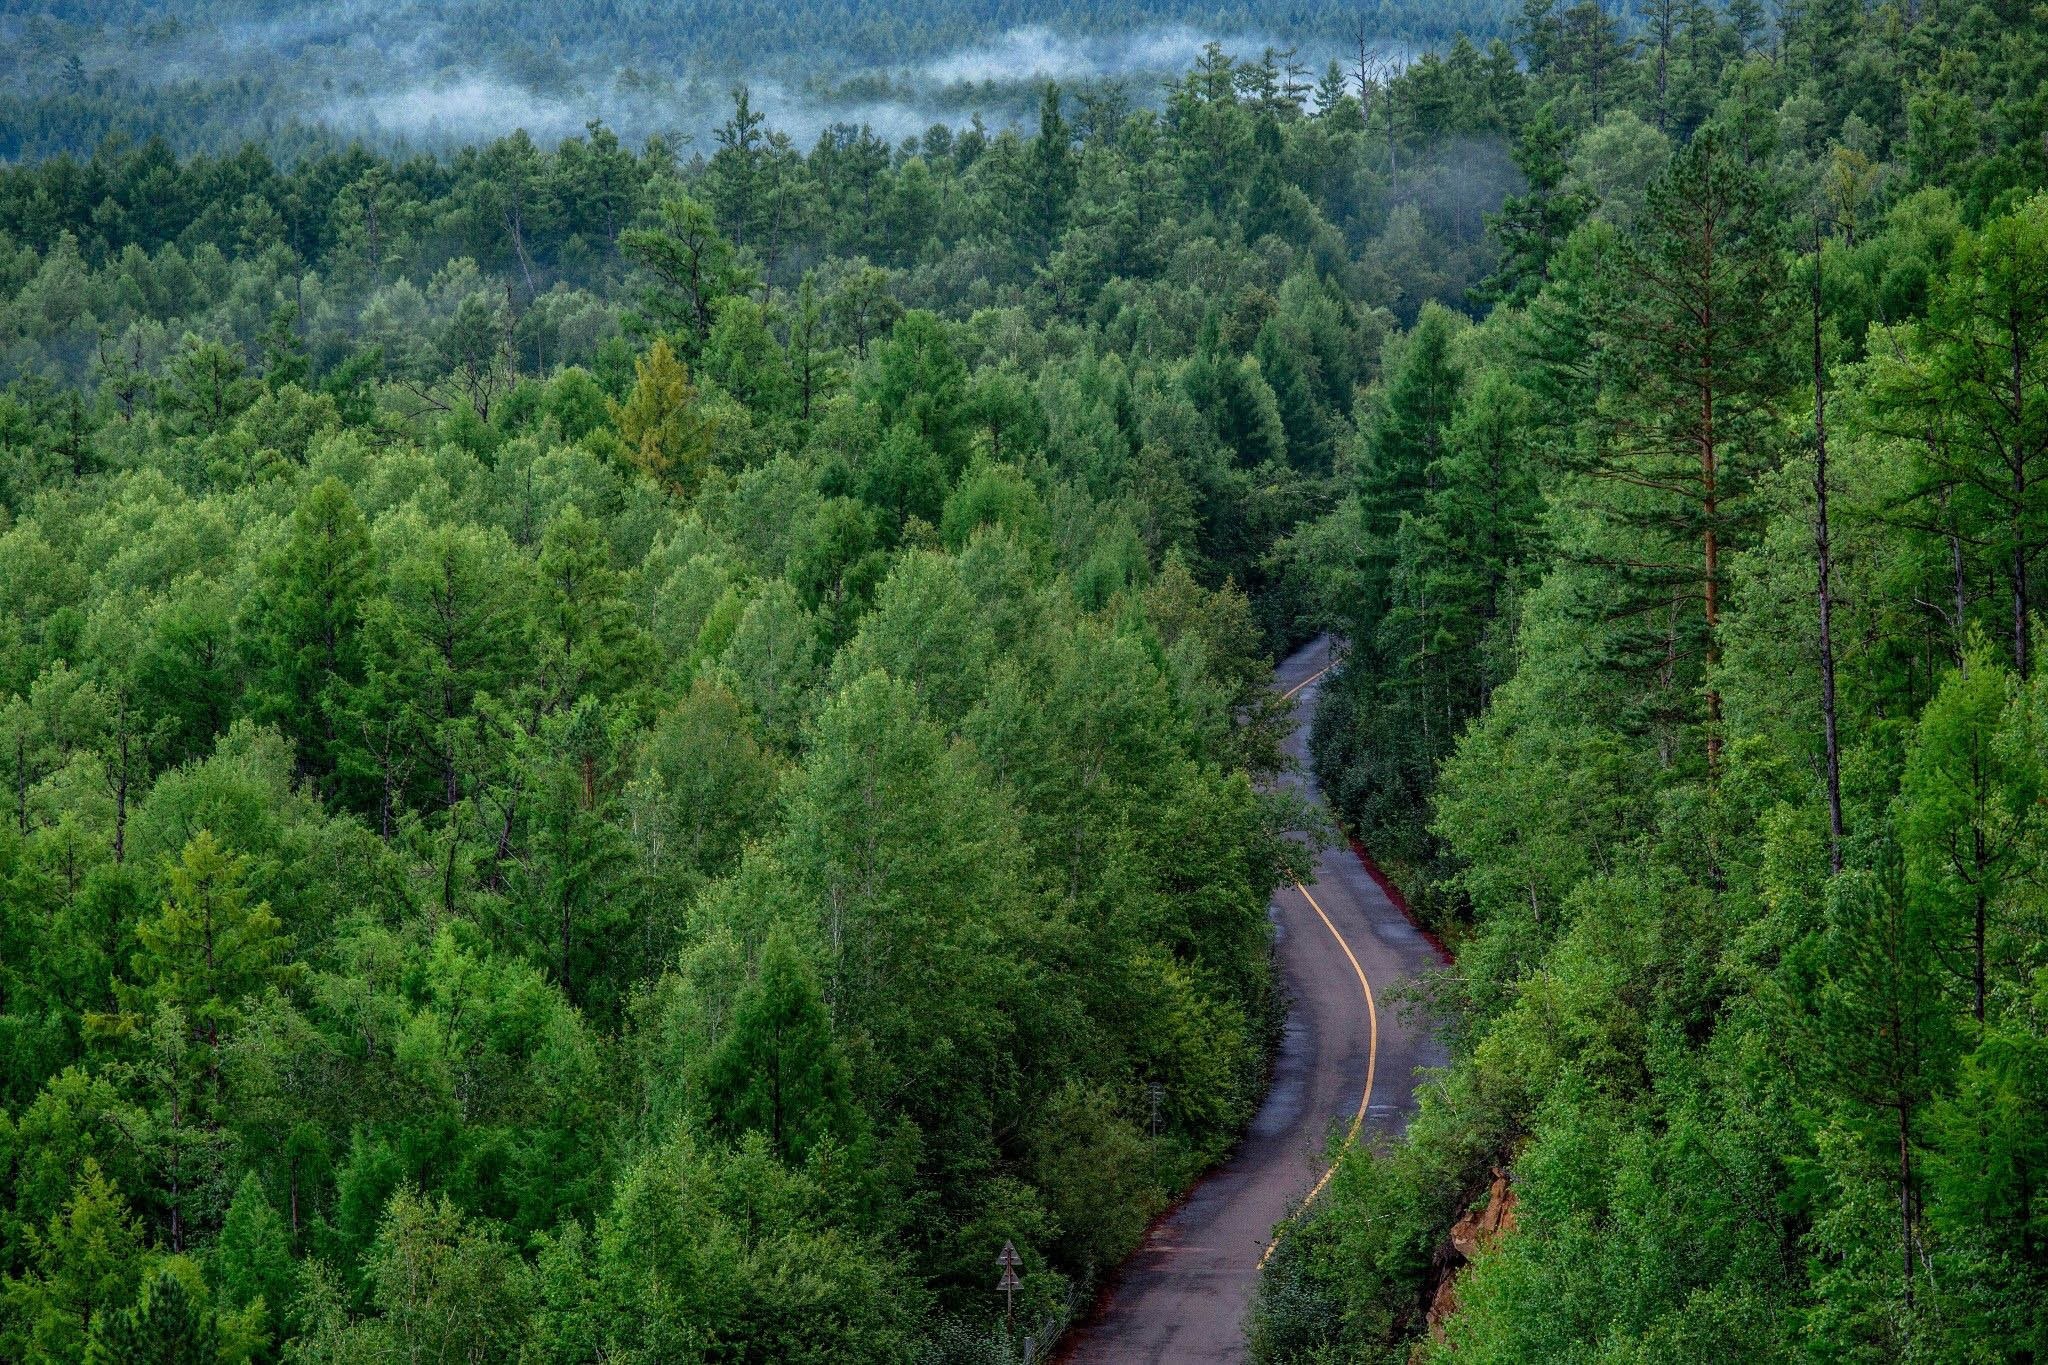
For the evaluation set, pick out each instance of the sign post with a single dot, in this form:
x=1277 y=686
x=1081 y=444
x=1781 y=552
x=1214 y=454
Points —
x=1009 y=1260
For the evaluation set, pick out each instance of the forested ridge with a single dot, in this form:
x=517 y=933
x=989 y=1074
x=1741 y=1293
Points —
x=1692 y=592
x=612 y=756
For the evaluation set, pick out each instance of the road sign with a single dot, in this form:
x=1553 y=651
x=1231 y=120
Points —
x=1009 y=1260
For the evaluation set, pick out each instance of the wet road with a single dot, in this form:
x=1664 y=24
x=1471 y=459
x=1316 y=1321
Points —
x=1182 y=1296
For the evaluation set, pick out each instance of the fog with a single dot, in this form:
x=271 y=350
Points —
x=474 y=107
x=396 y=82
x=463 y=110
x=1038 y=52
x=407 y=76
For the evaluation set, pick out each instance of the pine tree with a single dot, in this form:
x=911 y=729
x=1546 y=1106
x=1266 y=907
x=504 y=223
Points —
x=812 y=360
x=1532 y=225
x=1538 y=34
x=441 y=642
x=167 y=1326
x=668 y=434
x=1483 y=514
x=87 y=1260
x=1593 y=51
x=302 y=630
x=1694 y=329
x=1403 y=444
x=1308 y=437
x=205 y=387
x=253 y=1258
x=1969 y=388
x=693 y=268
x=919 y=381
x=1051 y=174
x=586 y=637
x=743 y=358
x=1962 y=814
x=208 y=950
x=284 y=350
x=1885 y=1036
x=777 y=1069
x=733 y=178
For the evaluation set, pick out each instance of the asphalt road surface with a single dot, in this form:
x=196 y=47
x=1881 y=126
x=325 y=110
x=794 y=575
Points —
x=1183 y=1294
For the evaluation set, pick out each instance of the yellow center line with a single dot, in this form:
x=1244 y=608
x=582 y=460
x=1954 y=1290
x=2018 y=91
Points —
x=1372 y=1057
x=1288 y=695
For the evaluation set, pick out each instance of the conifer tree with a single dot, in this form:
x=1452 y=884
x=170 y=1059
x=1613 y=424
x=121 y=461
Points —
x=1532 y=226
x=1969 y=387
x=166 y=1326
x=777 y=1068
x=208 y=950
x=1693 y=324
x=1403 y=445
x=1962 y=820
x=86 y=1261
x=668 y=434
x=302 y=631
x=693 y=268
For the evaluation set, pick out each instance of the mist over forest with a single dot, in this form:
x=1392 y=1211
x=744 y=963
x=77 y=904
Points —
x=296 y=76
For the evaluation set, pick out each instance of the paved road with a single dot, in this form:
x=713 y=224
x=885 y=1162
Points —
x=1182 y=1296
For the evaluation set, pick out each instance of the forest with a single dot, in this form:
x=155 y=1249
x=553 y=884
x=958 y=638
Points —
x=618 y=752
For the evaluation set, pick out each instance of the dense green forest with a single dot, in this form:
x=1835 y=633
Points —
x=614 y=755
x=1692 y=590
x=611 y=758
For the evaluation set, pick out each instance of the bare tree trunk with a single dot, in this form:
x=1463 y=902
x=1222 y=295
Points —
x=1711 y=505
x=2021 y=661
x=1906 y=1205
x=1955 y=556
x=512 y=225
x=1825 y=570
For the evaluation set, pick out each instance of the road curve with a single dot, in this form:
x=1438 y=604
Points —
x=1182 y=1295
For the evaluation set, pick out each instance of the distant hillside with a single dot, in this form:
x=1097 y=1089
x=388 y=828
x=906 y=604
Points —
x=207 y=74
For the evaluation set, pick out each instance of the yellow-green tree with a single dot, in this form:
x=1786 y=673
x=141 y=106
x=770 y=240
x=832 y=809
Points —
x=664 y=425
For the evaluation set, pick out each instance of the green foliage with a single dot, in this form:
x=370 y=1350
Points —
x=1745 y=1073
x=165 y=1324
x=777 y=1071
x=612 y=757
x=208 y=949
x=521 y=842
x=85 y=1262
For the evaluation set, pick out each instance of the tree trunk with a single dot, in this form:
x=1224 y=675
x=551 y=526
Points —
x=2019 y=506
x=1906 y=1204
x=1711 y=505
x=1825 y=586
x=121 y=807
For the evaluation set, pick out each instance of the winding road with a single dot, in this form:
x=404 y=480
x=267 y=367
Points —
x=1346 y=1062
